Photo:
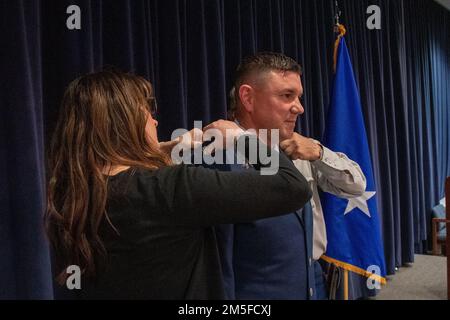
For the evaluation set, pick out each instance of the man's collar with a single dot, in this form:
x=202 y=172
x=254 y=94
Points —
x=275 y=147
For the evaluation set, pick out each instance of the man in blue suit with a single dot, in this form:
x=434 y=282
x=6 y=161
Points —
x=274 y=258
x=268 y=259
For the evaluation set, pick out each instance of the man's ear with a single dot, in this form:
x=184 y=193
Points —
x=246 y=95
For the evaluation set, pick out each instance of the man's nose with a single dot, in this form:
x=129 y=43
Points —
x=156 y=123
x=297 y=108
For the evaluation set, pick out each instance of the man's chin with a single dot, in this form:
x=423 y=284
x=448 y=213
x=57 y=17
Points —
x=286 y=134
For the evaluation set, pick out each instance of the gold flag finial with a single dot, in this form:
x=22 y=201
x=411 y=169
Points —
x=342 y=31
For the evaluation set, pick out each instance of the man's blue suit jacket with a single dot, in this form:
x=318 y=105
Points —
x=269 y=258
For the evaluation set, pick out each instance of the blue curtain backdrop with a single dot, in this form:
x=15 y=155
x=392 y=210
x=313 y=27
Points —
x=189 y=50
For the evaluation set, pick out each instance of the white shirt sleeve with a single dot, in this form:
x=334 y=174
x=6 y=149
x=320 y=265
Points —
x=337 y=174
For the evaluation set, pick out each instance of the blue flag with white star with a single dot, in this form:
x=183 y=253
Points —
x=353 y=226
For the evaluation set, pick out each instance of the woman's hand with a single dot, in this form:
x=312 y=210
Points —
x=190 y=140
x=225 y=133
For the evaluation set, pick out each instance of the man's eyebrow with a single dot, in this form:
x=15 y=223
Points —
x=288 y=91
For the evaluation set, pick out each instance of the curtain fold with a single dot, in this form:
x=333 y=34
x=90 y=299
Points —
x=25 y=262
x=189 y=49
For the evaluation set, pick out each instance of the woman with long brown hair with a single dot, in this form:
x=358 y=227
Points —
x=134 y=223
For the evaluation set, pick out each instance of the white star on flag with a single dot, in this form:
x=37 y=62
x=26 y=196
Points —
x=360 y=203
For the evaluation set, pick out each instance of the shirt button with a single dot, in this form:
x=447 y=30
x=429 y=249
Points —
x=310 y=262
x=311 y=292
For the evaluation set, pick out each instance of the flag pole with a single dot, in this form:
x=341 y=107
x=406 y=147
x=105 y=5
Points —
x=345 y=284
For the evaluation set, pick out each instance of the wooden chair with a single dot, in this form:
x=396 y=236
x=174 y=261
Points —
x=438 y=229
